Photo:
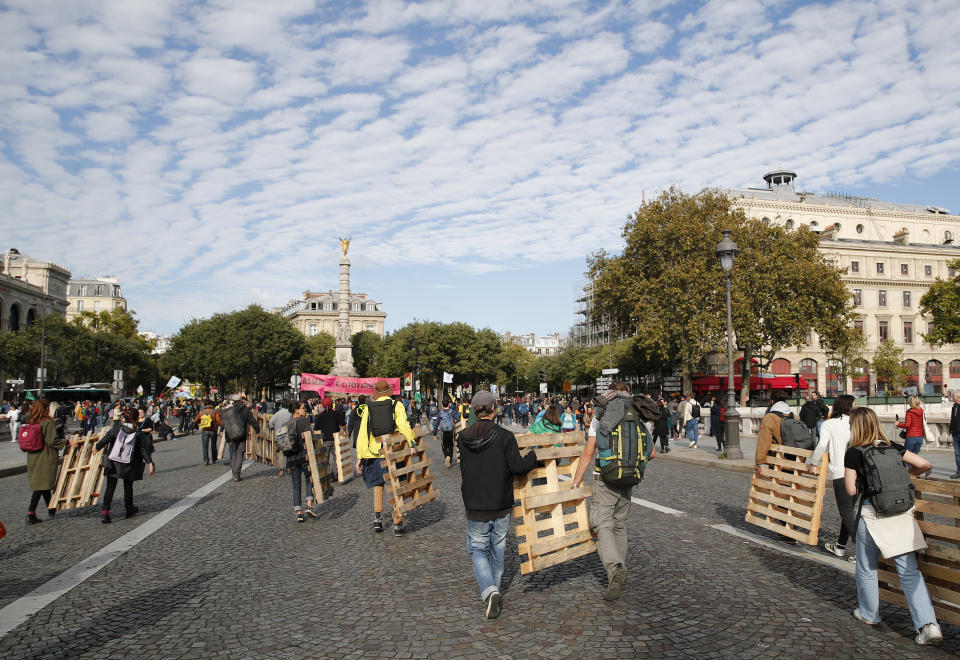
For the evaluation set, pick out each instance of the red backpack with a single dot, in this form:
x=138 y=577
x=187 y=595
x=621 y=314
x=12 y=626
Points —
x=30 y=437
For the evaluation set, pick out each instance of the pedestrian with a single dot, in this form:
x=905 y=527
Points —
x=13 y=421
x=834 y=439
x=42 y=465
x=489 y=460
x=444 y=422
x=568 y=420
x=955 y=432
x=523 y=410
x=131 y=449
x=912 y=424
x=235 y=417
x=208 y=432
x=379 y=418
x=610 y=506
x=295 y=426
x=690 y=419
x=896 y=537
x=721 y=427
x=551 y=422
x=327 y=424
x=661 y=427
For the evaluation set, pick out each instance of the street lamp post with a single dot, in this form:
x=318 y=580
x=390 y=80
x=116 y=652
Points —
x=727 y=252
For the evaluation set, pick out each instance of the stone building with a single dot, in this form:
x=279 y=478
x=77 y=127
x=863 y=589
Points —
x=317 y=312
x=892 y=252
x=94 y=295
x=539 y=345
x=26 y=284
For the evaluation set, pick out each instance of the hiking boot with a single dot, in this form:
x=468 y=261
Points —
x=617 y=580
x=105 y=517
x=399 y=530
x=493 y=605
x=132 y=511
x=32 y=519
x=834 y=549
x=929 y=634
x=378 y=523
x=862 y=619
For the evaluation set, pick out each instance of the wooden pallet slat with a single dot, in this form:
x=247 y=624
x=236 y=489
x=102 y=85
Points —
x=408 y=478
x=344 y=455
x=939 y=563
x=784 y=498
x=319 y=467
x=81 y=474
x=562 y=530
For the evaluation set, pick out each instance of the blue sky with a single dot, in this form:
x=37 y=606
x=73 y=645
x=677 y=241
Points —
x=210 y=154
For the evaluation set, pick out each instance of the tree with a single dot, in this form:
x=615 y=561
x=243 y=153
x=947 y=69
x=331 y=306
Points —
x=845 y=346
x=365 y=345
x=318 y=354
x=515 y=362
x=888 y=365
x=942 y=302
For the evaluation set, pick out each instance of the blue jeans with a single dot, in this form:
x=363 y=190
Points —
x=486 y=542
x=295 y=472
x=956 y=449
x=692 y=428
x=208 y=440
x=911 y=581
x=913 y=444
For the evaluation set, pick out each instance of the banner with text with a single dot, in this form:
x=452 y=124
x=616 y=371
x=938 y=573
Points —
x=320 y=384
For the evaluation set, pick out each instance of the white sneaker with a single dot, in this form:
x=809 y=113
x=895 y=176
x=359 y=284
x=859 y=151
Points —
x=833 y=549
x=692 y=444
x=929 y=634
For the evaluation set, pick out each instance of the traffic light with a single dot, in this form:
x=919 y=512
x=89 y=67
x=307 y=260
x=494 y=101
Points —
x=419 y=367
x=543 y=376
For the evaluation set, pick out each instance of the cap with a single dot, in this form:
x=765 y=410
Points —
x=483 y=399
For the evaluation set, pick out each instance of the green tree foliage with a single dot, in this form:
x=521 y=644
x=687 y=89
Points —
x=17 y=353
x=888 y=365
x=942 y=302
x=318 y=354
x=845 y=346
x=365 y=345
x=516 y=362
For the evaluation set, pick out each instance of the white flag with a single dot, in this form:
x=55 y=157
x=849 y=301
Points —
x=140 y=390
x=173 y=382
x=447 y=378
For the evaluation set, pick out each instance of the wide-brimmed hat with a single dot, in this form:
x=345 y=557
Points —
x=382 y=387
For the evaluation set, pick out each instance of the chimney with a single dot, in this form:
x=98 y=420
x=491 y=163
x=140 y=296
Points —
x=902 y=237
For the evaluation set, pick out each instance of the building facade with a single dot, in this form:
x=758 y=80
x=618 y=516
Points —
x=892 y=253
x=162 y=342
x=94 y=295
x=539 y=345
x=26 y=286
x=587 y=331
x=318 y=312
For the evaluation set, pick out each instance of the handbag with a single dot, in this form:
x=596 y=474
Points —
x=903 y=433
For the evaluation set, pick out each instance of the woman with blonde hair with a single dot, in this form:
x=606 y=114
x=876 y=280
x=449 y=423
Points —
x=895 y=536
x=913 y=424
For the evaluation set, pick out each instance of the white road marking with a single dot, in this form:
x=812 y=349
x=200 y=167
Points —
x=646 y=503
x=835 y=562
x=22 y=609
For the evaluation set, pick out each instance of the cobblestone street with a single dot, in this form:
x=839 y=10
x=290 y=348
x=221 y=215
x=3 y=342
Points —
x=235 y=574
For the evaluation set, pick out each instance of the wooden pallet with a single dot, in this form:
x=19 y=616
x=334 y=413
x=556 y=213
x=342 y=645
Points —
x=262 y=447
x=408 y=476
x=552 y=518
x=81 y=474
x=221 y=444
x=320 y=475
x=786 y=499
x=345 y=457
x=459 y=426
x=938 y=513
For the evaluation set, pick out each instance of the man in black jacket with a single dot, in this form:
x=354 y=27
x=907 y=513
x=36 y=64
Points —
x=235 y=417
x=955 y=432
x=489 y=459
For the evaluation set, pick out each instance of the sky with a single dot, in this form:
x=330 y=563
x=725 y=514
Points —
x=209 y=155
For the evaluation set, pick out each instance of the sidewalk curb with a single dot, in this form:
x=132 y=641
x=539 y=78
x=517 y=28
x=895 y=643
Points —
x=707 y=461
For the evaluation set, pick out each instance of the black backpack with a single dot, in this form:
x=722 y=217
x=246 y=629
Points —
x=233 y=424
x=381 y=421
x=887 y=480
x=627 y=443
x=695 y=411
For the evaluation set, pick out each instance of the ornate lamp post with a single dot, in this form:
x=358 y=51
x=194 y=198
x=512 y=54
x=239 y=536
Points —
x=727 y=252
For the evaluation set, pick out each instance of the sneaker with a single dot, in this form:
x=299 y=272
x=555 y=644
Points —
x=377 y=524
x=399 y=530
x=446 y=461
x=32 y=519
x=131 y=512
x=51 y=513
x=859 y=617
x=955 y=475
x=493 y=605
x=105 y=517
x=617 y=580
x=300 y=517
x=310 y=512
x=834 y=549
x=666 y=450
x=929 y=634
x=692 y=444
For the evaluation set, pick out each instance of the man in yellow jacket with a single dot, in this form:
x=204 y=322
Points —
x=379 y=418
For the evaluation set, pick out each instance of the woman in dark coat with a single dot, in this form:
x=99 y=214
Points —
x=129 y=449
x=42 y=465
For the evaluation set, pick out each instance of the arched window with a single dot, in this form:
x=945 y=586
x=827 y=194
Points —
x=859 y=229
x=31 y=316
x=14 y=318
x=808 y=371
x=834 y=386
x=860 y=372
x=781 y=367
x=955 y=369
x=789 y=223
x=913 y=372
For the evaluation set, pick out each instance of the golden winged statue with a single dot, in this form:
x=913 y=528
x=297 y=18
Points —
x=345 y=245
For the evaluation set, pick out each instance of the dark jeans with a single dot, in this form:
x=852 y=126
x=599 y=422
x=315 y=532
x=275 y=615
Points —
x=208 y=441
x=956 y=449
x=849 y=507
x=111 y=487
x=35 y=499
x=446 y=443
x=721 y=429
x=237 y=451
x=295 y=472
x=662 y=437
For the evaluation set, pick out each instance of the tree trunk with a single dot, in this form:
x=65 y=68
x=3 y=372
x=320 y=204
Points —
x=745 y=374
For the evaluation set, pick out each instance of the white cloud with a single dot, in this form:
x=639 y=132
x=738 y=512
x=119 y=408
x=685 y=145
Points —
x=228 y=80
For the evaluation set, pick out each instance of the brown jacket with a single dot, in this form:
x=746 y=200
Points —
x=769 y=434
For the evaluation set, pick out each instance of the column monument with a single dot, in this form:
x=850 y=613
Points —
x=343 y=358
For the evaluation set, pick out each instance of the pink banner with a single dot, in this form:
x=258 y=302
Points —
x=322 y=383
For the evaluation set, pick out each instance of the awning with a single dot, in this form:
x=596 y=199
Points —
x=719 y=383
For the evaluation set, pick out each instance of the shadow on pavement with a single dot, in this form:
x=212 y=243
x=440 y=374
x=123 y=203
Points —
x=430 y=514
x=128 y=616
x=12 y=548
x=556 y=575
x=338 y=506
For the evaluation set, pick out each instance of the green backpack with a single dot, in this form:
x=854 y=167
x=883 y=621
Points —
x=622 y=455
